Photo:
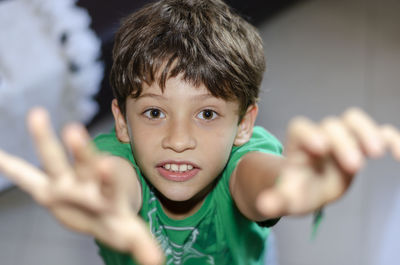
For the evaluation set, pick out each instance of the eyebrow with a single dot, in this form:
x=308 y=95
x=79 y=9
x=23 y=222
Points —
x=161 y=97
x=150 y=95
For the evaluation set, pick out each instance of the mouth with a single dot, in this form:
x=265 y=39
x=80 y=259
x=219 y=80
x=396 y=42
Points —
x=178 y=171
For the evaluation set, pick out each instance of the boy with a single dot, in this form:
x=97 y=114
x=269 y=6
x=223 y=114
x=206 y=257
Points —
x=185 y=155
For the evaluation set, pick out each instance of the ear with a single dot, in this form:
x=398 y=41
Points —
x=245 y=129
x=121 y=128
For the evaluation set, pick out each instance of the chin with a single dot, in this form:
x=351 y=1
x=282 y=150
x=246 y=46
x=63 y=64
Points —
x=177 y=196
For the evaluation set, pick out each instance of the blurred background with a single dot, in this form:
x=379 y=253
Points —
x=323 y=56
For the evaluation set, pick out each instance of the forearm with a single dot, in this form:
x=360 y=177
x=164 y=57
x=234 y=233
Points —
x=255 y=172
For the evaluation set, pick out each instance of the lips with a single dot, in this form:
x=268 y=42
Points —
x=177 y=170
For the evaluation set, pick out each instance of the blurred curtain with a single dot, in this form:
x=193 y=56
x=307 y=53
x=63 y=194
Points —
x=48 y=57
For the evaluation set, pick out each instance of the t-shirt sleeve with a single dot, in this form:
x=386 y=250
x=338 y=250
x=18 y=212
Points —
x=110 y=144
x=261 y=141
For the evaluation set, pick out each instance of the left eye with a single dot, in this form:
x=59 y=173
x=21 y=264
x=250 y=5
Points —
x=207 y=114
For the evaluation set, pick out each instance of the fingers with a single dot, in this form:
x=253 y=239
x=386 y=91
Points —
x=314 y=173
x=130 y=234
x=305 y=134
x=349 y=138
x=391 y=138
x=88 y=197
x=85 y=196
x=50 y=150
x=372 y=138
x=67 y=186
x=25 y=175
x=112 y=180
x=365 y=130
x=344 y=145
x=78 y=142
x=144 y=247
x=125 y=233
x=75 y=218
x=331 y=137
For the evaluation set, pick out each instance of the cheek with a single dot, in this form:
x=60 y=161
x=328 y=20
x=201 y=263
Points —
x=224 y=138
x=220 y=145
x=141 y=135
x=142 y=144
x=140 y=153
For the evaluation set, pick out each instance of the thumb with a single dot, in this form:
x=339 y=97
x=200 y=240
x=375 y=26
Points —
x=143 y=246
x=131 y=235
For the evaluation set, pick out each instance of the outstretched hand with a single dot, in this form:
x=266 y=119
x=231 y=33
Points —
x=90 y=196
x=322 y=159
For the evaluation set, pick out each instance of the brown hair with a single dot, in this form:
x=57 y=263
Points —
x=204 y=40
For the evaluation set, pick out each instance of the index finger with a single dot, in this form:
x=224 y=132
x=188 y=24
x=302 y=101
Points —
x=24 y=174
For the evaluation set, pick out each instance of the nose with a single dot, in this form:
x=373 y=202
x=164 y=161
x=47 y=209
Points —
x=179 y=137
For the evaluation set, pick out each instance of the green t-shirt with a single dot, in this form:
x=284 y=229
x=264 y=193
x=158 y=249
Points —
x=217 y=233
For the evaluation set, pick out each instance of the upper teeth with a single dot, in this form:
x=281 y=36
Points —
x=180 y=168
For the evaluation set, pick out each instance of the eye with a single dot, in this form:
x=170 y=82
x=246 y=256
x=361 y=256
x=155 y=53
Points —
x=207 y=114
x=154 y=114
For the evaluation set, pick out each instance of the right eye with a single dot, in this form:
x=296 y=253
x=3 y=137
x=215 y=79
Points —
x=154 y=114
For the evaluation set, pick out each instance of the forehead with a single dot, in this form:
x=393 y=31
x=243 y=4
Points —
x=178 y=74
x=175 y=84
x=177 y=91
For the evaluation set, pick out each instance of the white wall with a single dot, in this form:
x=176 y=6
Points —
x=322 y=57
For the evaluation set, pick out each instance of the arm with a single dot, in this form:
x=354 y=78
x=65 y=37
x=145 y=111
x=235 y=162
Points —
x=321 y=161
x=254 y=173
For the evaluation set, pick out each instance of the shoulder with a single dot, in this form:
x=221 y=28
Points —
x=109 y=143
x=260 y=141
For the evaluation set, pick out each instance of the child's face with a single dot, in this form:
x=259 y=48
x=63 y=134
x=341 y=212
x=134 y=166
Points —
x=181 y=138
